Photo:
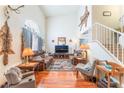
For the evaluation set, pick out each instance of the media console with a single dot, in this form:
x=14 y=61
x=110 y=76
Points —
x=61 y=55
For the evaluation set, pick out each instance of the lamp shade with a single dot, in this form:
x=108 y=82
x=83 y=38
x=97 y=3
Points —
x=27 y=52
x=84 y=46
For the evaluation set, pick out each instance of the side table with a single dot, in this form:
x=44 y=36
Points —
x=28 y=67
x=79 y=60
x=117 y=72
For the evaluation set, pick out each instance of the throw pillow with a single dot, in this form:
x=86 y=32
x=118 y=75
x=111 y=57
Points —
x=17 y=70
x=12 y=77
x=102 y=62
x=87 y=67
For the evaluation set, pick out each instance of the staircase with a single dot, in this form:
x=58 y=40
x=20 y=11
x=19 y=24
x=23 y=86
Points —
x=110 y=40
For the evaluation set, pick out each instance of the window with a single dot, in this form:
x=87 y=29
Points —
x=32 y=26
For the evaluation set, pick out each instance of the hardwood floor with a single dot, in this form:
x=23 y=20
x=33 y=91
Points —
x=61 y=79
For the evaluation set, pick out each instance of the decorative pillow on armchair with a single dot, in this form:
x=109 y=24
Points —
x=102 y=62
x=13 y=76
x=87 y=67
x=17 y=70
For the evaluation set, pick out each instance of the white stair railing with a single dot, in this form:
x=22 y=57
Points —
x=110 y=39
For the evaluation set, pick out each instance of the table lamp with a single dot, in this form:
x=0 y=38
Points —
x=84 y=48
x=26 y=53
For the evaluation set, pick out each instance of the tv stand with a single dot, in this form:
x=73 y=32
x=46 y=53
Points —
x=61 y=55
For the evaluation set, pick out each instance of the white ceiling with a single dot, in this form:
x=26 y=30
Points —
x=58 y=10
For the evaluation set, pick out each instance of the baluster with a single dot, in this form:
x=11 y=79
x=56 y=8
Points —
x=96 y=31
x=100 y=34
x=117 y=46
x=108 y=39
x=105 y=38
x=113 y=43
x=103 y=35
x=122 y=55
x=93 y=32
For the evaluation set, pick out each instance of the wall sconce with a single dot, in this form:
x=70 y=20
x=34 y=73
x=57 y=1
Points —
x=70 y=40
x=53 y=41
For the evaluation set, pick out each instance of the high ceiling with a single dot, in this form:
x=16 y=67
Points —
x=58 y=10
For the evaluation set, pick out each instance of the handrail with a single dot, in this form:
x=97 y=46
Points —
x=108 y=28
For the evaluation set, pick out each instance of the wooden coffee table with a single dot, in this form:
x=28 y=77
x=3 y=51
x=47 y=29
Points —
x=30 y=66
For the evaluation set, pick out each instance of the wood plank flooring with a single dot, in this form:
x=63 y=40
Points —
x=61 y=79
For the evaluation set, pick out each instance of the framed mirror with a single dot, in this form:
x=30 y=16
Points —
x=61 y=40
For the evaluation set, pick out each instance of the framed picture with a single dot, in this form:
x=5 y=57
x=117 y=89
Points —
x=83 y=41
x=61 y=40
x=106 y=13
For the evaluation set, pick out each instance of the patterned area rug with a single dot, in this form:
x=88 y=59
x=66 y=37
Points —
x=61 y=64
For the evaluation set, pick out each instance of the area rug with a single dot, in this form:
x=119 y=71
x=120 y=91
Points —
x=61 y=64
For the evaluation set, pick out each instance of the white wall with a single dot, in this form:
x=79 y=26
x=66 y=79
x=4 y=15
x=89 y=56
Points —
x=62 y=26
x=67 y=26
x=96 y=51
x=111 y=21
x=15 y=23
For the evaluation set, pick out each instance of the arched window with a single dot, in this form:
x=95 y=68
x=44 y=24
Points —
x=32 y=26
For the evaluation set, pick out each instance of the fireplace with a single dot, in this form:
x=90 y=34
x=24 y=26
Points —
x=61 y=48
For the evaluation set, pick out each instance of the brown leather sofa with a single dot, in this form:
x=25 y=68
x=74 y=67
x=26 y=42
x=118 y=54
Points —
x=44 y=61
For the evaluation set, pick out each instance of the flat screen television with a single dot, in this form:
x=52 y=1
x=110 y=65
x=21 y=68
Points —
x=61 y=49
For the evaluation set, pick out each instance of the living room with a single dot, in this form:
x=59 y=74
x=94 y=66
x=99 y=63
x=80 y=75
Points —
x=58 y=25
